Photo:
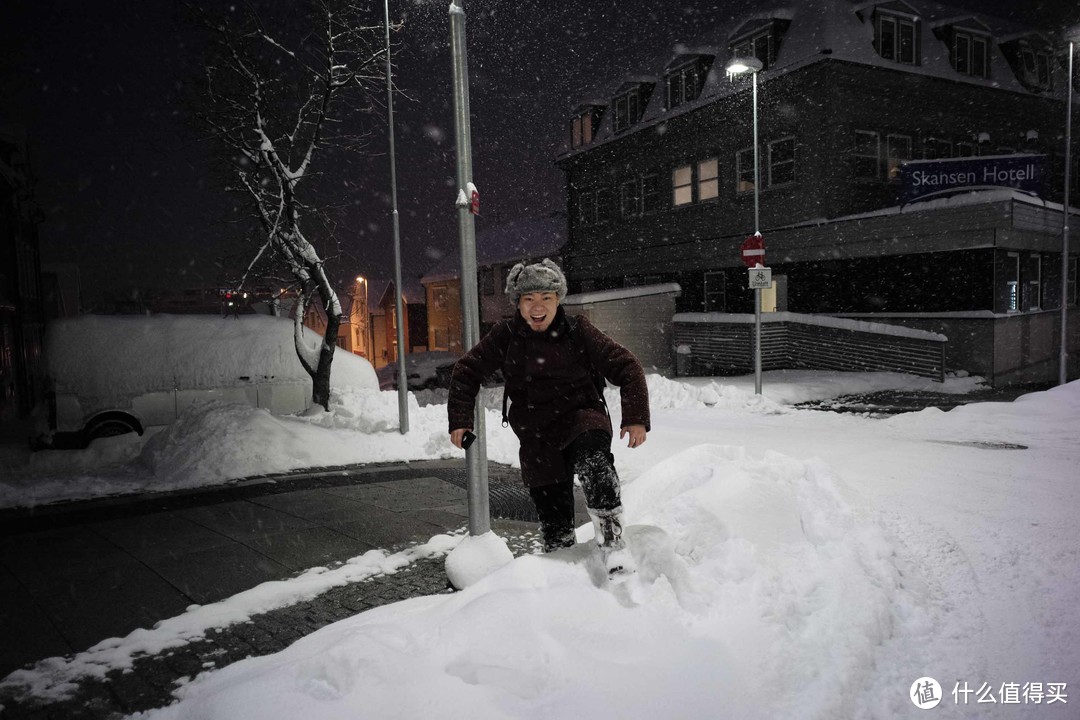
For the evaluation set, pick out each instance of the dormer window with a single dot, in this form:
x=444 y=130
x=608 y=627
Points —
x=586 y=120
x=1031 y=60
x=629 y=104
x=759 y=39
x=896 y=37
x=1036 y=67
x=970 y=54
x=685 y=78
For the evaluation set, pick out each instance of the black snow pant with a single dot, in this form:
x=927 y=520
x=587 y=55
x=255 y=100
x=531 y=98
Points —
x=589 y=457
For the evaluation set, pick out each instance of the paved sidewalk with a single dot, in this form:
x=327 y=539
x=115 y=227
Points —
x=73 y=575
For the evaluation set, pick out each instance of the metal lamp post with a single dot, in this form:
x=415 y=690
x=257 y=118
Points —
x=476 y=454
x=738 y=66
x=1063 y=359
x=402 y=380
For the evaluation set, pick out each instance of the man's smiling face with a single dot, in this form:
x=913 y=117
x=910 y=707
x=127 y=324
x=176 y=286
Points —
x=538 y=309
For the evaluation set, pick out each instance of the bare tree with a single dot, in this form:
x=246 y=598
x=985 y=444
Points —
x=282 y=94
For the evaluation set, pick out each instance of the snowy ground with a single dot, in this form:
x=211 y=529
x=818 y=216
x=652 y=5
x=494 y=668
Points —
x=793 y=563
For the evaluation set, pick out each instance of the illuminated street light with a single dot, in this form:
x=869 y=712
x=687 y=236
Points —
x=738 y=66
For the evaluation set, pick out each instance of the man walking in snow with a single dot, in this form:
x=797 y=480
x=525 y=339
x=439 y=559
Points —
x=555 y=366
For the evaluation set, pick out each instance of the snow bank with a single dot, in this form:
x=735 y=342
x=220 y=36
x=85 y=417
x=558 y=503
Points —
x=743 y=603
x=119 y=356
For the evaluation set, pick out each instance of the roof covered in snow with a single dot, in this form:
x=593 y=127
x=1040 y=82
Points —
x=819 y=31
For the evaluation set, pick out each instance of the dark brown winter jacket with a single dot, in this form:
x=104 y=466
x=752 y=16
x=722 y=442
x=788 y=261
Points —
x=549 y=383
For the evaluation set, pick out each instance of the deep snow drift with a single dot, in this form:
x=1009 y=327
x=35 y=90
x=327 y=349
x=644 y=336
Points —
x=793 y=564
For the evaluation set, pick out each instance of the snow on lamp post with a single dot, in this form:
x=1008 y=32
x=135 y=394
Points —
x=482 y=551
x=738 y=66
x=1072 y=35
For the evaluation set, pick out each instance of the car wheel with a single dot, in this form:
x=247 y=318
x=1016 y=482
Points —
x=111 y=426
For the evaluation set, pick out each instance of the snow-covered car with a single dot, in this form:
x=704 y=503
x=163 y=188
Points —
x=423 y=371
x=111 y=375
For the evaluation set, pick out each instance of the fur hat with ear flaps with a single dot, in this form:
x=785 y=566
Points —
x=544 y=276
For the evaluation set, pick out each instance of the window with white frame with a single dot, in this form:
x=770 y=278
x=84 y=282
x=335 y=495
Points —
x=628 y=106
x=1033 y=277
x=897 y=38
x=758 y=45
x=1012 y=282
x=715 y=292
x=971 y=54
x=682 y=185
x=897 y=152
x=744 y=170
x=1036 y=67
x=867 y=154
x=708 y=180
x=684 y=81
x=782 y=161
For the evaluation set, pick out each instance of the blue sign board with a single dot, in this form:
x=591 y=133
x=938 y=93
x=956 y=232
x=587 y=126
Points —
x=923 y=178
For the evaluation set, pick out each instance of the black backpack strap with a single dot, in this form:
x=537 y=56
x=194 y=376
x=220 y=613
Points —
x=506 y=356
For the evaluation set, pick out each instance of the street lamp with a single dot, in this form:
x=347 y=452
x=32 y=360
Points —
x=476 y=454
x=1072 y=35
x=738 y=66
x=403 y=385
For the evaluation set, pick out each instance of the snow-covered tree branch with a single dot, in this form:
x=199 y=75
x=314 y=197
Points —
x=286 y=87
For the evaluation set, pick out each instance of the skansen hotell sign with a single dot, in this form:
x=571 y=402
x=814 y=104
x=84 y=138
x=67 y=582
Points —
x=930 y=177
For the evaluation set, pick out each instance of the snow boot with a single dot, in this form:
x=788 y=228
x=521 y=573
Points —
x=558 y=540
x=607 y=524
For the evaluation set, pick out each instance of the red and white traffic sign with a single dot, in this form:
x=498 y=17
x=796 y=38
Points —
x=753 y=251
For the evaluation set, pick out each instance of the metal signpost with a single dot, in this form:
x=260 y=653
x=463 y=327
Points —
x=476 y=454
x=753 y=256
x=755 y=244
x=402 y=381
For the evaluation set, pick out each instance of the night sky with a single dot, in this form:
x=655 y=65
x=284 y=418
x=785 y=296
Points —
x=127 y=185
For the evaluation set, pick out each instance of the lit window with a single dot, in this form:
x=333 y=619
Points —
x=782 y=161
x=867 y=154
x=708 y=179
x=682 y=186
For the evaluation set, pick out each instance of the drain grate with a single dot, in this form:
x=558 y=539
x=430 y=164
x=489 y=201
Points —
x=507 y=497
